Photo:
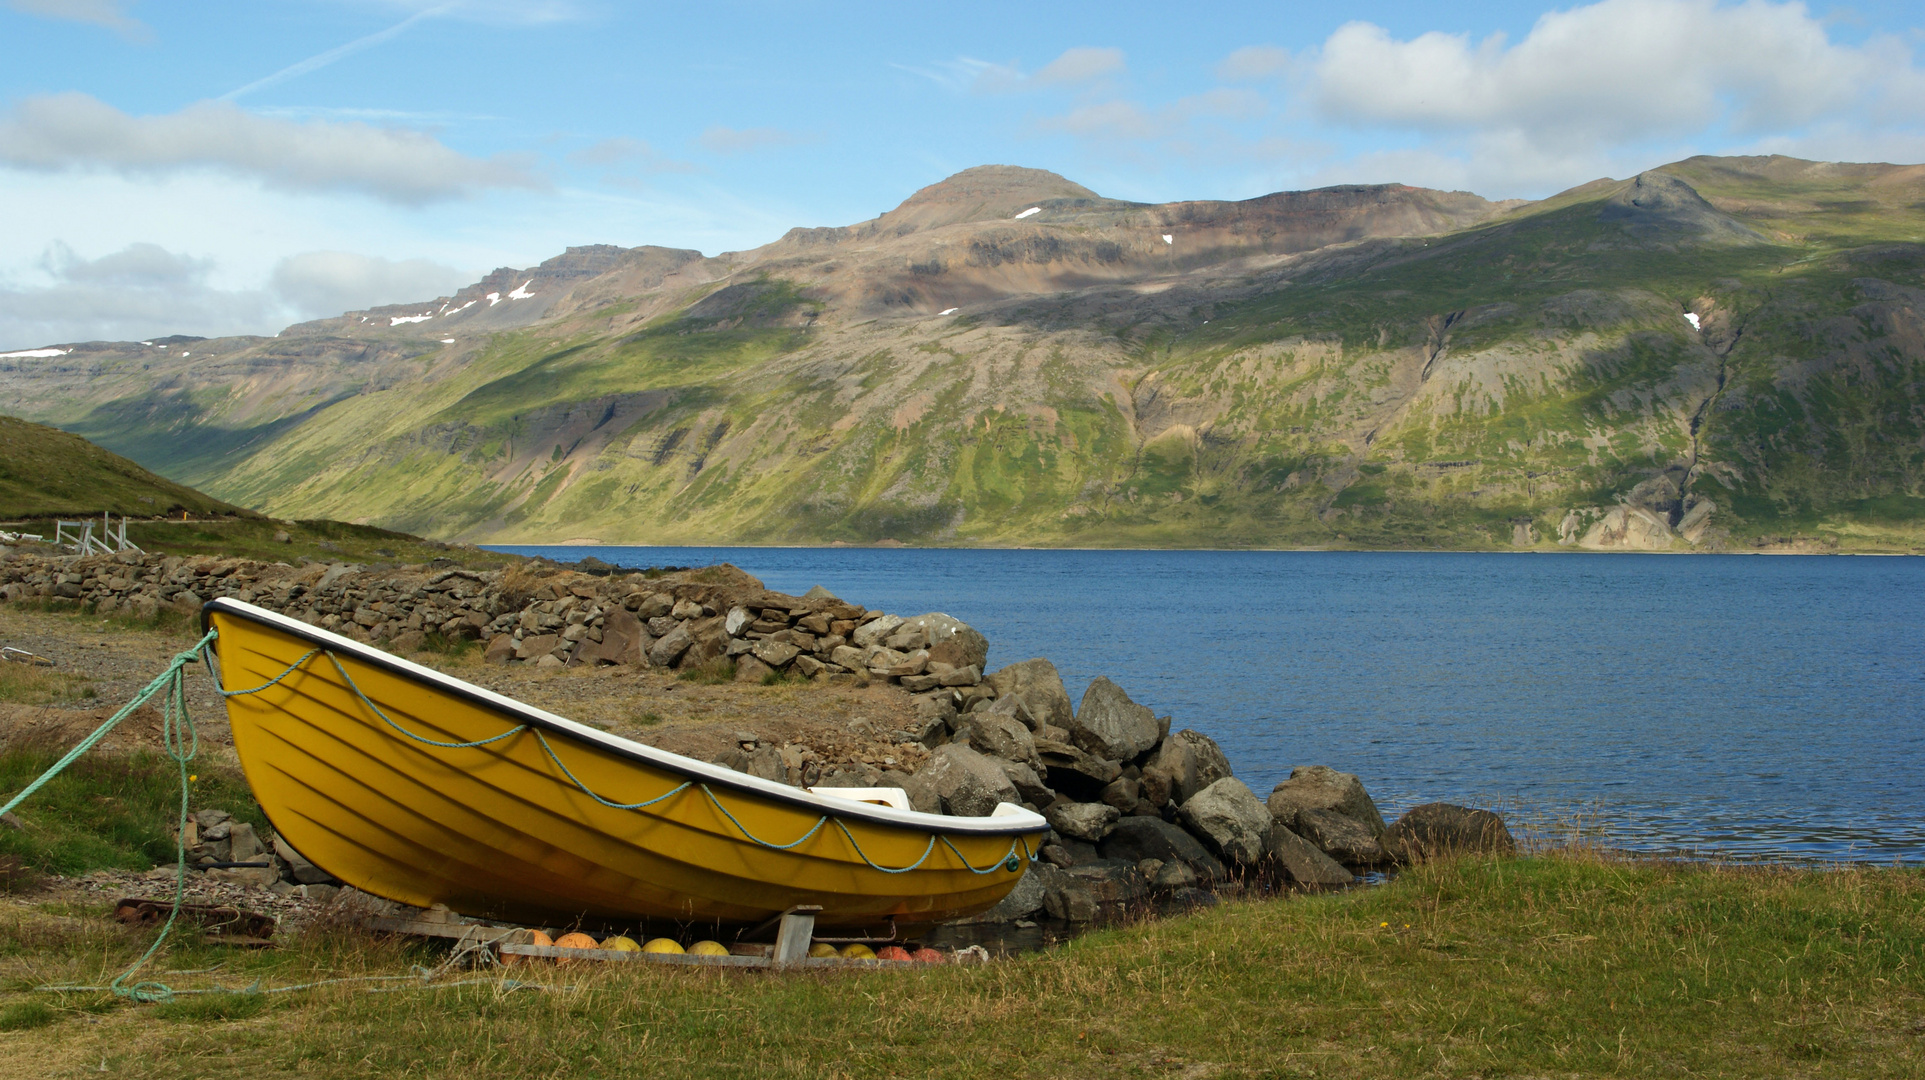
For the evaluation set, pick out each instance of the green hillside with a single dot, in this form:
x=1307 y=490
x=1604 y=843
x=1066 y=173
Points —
x=1533 y=379
x=46 y=472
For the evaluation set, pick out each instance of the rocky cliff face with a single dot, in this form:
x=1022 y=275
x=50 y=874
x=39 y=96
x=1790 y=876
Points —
x=1729 y=347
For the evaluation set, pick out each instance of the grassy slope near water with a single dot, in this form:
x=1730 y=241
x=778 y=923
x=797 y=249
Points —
x=1565 y=965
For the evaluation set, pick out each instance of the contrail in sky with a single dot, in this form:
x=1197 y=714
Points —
x=322 y=60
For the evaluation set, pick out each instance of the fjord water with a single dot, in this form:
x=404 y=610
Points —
x=1748 y=706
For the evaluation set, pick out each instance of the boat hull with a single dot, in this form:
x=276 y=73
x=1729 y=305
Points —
x=339 y=752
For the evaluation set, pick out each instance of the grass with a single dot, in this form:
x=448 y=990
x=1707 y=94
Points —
x=46 y=472
x=714 y=672
x=1567 y=964
x=28 y=684
x=109 y=810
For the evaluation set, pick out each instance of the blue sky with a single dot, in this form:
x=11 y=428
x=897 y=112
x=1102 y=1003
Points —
x=232 y=167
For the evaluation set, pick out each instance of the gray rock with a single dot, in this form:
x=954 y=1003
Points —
x=1191 y=761
x=536 y=646
x=1111 y=726
x=1069 y=899
x=245 y=846
x=1300 y=858
x=299 y=869
x=1318 y=787
x=671 y=646
x=1228 y=819
x=917 y=684
x=766 y=762
x=774 y=653
x=1175 y=874
x=1077 y=774
x=1083 y=821
x=999 y=734
x=686 y=609
x=873 y=631
x=923 y=796
x=949 y=640
x=1344 y=839
x=750 y=670
x=817 y=592
x=738 y=621
x=1134 y=839
x=651 y=606
x=969 y=784
x=851 y=658
x=1029 y=783
x=1436 y=830
x=1024 y=900
x=1122 y=793
x=1037 y=685
x=962 y=676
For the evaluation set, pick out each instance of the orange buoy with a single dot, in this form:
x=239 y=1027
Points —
x=708 y=948
x=892 y=952
x=575 y=941
x=663 y=945
x=822 y=950
x=856 y=950
x=927 y=955
x=535 y=937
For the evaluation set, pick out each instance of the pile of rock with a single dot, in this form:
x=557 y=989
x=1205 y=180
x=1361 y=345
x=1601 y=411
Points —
x=215 y=842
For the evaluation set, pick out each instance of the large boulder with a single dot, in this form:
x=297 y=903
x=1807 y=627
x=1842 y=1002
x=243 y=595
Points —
x=1064 y=897
x=1300 y=858
x=968 y=783
x=873 y=631
x=948 y=639
x=1111 y=726
x=1318 y=787
x=1134 y=839
x=1083 y=821
x=1229 y=820
x=671 y=647
x=998 y=733
x=1186 y=763
x=1441 y=829
x=1344 y=839
x=1036 y=684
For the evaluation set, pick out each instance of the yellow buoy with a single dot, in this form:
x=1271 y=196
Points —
x=822 y=950
x=857 y=951
x=621 y=943
x=663 y=945
x=708 y=948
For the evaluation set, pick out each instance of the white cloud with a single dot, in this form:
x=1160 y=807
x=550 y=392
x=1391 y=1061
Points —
x=73 y=131
x=1618 y=70
x=1076 y=66
x=622 y=152
x=317 y=284
x=1079 y=65
x=1129 y=120
x=110 y=14
x=727 y=140
x=1254 y=62
x=146 y=291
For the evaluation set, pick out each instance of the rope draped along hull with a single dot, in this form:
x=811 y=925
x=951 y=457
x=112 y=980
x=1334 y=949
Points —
x=418 y=787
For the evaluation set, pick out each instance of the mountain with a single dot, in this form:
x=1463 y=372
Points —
x=1721 y=353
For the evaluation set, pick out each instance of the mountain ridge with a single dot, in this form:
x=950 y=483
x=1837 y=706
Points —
x=1358 y=365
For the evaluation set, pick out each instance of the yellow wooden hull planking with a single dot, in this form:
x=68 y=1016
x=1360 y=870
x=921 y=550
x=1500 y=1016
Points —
x=340 y=754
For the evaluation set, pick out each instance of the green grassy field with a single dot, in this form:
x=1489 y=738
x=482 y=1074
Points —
x=1565 y=964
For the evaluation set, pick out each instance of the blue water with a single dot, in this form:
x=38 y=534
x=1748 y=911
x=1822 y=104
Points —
x=1756 y=707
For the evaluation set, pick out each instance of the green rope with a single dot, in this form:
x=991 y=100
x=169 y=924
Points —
x=182 y=743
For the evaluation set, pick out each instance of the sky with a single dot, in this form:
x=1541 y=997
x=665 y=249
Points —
x=221 y=167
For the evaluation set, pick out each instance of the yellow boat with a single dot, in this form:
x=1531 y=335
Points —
x=416 y=786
